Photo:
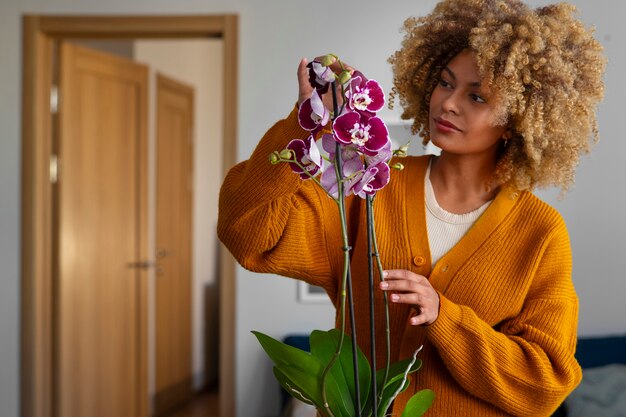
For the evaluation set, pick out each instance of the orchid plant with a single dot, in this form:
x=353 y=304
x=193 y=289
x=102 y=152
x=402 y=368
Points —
x=335 y=376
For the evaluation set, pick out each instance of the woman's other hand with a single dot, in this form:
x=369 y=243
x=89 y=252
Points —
x=406 y=287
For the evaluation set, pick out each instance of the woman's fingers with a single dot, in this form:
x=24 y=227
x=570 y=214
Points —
x=421 y=319
x=406 y=287
x=304 y=86
x=403 y=275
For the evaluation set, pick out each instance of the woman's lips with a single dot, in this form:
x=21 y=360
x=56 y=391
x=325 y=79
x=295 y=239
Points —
x=445 y=126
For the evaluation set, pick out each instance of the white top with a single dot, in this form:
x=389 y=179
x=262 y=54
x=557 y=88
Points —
x=445 y=229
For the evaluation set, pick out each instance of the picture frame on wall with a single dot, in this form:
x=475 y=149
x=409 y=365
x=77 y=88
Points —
x=308 y=293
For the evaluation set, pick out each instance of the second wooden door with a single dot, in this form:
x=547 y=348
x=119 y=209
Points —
x=174 y=244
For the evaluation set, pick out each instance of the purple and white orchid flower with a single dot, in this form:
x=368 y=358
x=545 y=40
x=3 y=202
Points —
x=361 y=137
x=373 y=179
x=312 y=114
x=370 y=135
x=365 y=95
x=307 y=155
x=320 y=76
x=329 y=146
x=382 y=156
x=358 y=180
x=352 y=172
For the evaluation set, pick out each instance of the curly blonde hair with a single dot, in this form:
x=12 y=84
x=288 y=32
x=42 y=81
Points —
x=544 y=69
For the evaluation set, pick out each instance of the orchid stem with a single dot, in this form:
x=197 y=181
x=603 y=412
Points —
x=346 y=282
x=370 y=270
x=386 y=304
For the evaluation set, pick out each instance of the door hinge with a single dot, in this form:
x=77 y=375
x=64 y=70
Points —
x=54 y=99
x=54 y=169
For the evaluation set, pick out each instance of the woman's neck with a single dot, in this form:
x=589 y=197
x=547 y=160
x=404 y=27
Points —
x=462 y=183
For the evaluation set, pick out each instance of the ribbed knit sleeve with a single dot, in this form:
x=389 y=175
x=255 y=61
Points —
x=274 y=222
x=524 y=365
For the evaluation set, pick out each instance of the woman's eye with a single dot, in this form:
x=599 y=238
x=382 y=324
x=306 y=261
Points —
x=477 y=98
x=444 y=83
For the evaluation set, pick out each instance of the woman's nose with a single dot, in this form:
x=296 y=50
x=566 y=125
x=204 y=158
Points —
x=450 y=103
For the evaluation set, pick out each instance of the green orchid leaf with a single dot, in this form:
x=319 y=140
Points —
x=300 y=385
x=338 y=394
x=419 y=403
x=389 y=394
x=303 y=385
x=301 y=375
x=283 y=354
x=324 y=345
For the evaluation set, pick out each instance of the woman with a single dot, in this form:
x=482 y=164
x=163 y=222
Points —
x=478 y=269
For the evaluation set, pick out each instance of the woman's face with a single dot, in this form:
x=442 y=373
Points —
x=461 y=110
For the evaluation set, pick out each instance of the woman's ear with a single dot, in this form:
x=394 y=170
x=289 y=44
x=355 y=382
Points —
x=508 y=134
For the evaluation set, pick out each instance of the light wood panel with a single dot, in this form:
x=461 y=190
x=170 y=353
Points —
x=100 y=218
x=36 y=290
x=173 y=306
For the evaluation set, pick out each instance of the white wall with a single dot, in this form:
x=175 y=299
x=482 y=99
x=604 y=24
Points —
x=274 y=36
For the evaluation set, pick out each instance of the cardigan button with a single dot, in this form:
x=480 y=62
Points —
x=445 y=268
x=419 y=260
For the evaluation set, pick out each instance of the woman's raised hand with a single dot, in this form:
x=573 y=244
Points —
x=407 y=287
x=305 y=89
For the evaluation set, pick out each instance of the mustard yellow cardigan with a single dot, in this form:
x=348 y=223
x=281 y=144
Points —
x=504 y=341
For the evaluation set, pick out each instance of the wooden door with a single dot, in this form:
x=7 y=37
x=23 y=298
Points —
x=100 y=211
x=173 y=243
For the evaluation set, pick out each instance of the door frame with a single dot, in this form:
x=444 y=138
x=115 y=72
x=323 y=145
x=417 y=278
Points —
x=39 y=32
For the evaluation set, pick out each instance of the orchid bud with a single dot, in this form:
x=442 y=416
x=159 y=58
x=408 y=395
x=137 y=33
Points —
x=398 y=166
x=286 y=154
x=274 y=158
x=402 y=152
x=344 y=77
x=328 y=60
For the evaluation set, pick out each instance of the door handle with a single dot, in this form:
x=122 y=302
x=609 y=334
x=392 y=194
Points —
x=141 y=264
